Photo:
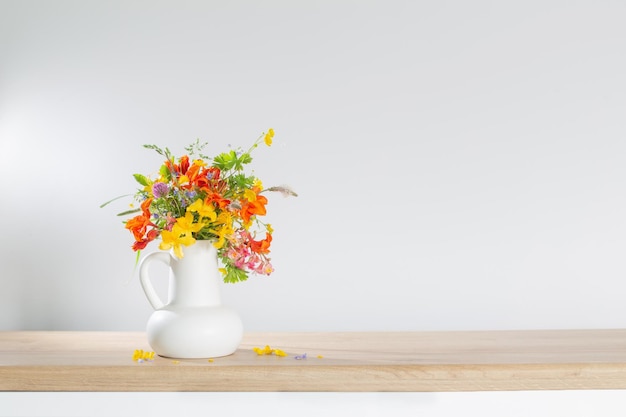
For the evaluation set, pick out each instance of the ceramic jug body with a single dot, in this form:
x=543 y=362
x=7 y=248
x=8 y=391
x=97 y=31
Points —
x=193 y=323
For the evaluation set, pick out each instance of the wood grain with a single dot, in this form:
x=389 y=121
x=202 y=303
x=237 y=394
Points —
x=351 y=361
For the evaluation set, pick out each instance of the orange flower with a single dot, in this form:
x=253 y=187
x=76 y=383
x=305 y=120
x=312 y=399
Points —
x=217 y=199
x=198 y=175
x=138 y=226
x=190 y=175
x=209 y=180
x=145 y=207
x=215 y=173
x=183 y=166
x=250 y=208
x=261 y=246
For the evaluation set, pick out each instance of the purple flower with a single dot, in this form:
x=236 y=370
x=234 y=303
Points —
x=160 y=189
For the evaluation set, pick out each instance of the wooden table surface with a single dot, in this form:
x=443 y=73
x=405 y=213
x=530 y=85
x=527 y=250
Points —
x=350 y=361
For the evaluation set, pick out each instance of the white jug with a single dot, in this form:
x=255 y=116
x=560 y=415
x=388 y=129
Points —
x=193 y=323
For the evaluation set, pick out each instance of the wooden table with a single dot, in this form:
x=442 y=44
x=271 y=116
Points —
x=372 y=361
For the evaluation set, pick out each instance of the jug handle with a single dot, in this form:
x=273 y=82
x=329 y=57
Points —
x=144 y=277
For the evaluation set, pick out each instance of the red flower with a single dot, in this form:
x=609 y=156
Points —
x=261 y=246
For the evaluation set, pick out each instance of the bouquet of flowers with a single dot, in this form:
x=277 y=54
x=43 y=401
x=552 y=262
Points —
x=196 y=197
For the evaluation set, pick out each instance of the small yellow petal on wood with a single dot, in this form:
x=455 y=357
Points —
x=139 y=354
x=267 y=350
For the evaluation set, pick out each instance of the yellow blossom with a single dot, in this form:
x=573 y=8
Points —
x=279 y=352
x=199 y=162
x=187 y=223
x=203 y=210
x=268 y=137
x=181 y=234
x=249 y=195
x=226 y=220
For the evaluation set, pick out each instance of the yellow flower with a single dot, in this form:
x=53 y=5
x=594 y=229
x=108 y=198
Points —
x=203 y=210
x=270 y=229
x=199 y=162
x=268 y=137
x=181 y=234
x=249 y=195
x=186 y=223
x=226 y=220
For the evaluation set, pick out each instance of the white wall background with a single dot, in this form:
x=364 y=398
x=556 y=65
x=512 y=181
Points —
x=460 y=165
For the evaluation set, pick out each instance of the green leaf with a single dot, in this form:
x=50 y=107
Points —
x=234 y=275
x=165 y=172
x=242 y=181
x=112 y=200
x=232 y=159
x=124 y=213
x=137 y=258
x=141 y=179
x=155 y=148
x=239 y=161
x=226 y=161
x=245 y=158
